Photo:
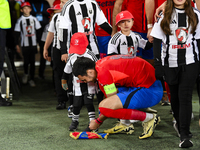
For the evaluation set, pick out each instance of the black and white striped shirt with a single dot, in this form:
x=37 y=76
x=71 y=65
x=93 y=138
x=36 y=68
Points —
x=122 y=44
x=53 y=27
x=81 y=16
x=79 y=87
x=27 y=26
x=180 y=48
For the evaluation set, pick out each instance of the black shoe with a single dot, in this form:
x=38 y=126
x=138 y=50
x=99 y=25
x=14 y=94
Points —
x=73 y=125
x=186 y=143
x=61 y=105
x=3 y=102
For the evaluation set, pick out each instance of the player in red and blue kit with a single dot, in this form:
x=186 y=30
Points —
x=129 y=84
x=102 y=36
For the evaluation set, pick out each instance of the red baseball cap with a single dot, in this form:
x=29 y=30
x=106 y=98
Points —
x=25 y=4
x=123 y=15
x=78 y=43
x=56 y=7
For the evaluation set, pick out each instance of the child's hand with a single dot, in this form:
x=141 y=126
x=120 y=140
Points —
x=64 y=84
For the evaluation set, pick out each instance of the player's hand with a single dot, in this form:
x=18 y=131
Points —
x=64 y=57
x=45 y=54
x=150 y=38
x=93 y=125
x=64 y=84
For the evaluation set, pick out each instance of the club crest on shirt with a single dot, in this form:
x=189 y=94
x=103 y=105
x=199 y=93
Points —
x=131 y=50
x=29 y=29
x=86 y=22
x=181 y=34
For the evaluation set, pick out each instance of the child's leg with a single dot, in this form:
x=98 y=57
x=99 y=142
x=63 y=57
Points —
x=26 y=59
x=32 y=63
x=78 y=102
x=88 y=101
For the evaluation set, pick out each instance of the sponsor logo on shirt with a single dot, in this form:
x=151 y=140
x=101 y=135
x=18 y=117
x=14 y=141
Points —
x=182 y=46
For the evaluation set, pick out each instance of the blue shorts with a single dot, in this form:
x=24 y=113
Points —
x=145 y=54
x=103 y=45
x=140 y=97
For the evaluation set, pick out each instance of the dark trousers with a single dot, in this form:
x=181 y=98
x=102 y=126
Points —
x=181 y=81
x=58 y=68
x=29 y=59
x=42 y=60
x=2 y=48
x=79 y=101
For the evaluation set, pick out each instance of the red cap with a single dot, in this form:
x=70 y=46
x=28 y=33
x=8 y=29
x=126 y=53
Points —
x=25 y=4
x=123 y=15
x=56 y=2
x=78 y=43
x=56 y=7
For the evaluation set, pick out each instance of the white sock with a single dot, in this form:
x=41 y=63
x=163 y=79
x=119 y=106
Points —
x=148 y=117
x=125 y=122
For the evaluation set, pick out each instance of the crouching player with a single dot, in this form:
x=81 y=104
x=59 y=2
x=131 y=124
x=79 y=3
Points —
x=129 y=84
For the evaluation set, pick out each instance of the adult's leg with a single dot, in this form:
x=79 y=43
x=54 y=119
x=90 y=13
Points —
x=3 y=102
x=58 y=67
x=42 y=61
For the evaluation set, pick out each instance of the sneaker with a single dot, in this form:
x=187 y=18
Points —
x=121 y=128
x=149 y=127
x=149 y=110
x=25 y=79
x=165 y=103
x=165 y=100
x=73 y=125
x=70 y=111
x=185 y=143
x=32 y=83
x=61 y=105
x=3 y=102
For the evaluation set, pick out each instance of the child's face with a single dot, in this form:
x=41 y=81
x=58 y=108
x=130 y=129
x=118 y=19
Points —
x=26 y=10
x=62 y=3
x=179 y=3
x=126 y=25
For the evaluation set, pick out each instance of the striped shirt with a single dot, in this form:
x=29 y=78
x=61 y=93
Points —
x=27 y=26
x=53 y=27
x=122 y=44
x=180 y=48
x=79 y=87
x=81 y=16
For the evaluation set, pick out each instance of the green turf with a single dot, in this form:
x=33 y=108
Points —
x=33 y=123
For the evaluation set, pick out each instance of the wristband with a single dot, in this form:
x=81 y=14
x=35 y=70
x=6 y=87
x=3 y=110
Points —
x=149 y=26
x=98 y=121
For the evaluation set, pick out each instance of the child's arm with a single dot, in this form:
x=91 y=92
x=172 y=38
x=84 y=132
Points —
x=64 y=79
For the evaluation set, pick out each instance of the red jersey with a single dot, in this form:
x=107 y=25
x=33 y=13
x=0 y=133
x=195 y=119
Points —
x=107 y=8
x=137 y=9
x=124 y=70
